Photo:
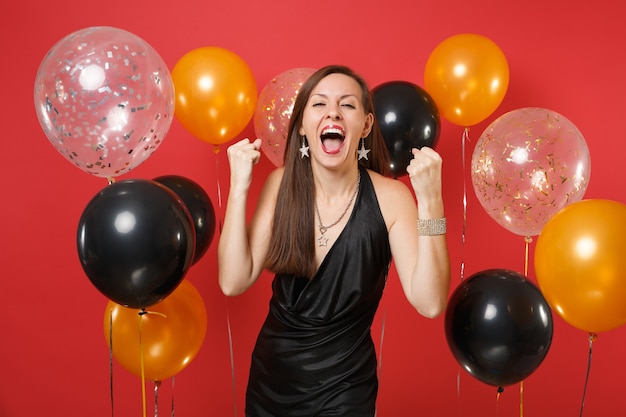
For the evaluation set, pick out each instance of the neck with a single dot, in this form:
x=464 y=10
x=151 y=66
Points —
x=334 y=185
x=322 y=240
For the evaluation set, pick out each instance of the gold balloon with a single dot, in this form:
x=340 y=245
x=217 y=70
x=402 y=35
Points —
x=580 y=263
x=216 y=94
x=467 y=76
x=167 y=339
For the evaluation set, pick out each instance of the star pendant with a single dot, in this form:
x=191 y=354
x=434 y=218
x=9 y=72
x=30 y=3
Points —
x=322 y=241
x=304 y=151
x=363 y=152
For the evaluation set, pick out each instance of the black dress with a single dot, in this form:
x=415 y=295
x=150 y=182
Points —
x=314 y=355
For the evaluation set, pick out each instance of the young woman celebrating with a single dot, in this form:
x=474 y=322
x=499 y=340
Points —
x=328 y=224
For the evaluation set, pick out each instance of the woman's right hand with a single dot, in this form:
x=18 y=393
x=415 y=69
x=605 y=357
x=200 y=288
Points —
x=242 y=245
x=241 y=157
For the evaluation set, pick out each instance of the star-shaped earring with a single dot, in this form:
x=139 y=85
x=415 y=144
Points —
x=363 y=152
x=304 y=149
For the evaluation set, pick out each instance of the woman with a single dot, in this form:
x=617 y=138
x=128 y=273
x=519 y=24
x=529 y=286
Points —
x=328 y=224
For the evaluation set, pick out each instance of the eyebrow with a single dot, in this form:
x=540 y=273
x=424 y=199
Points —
x=341 y=98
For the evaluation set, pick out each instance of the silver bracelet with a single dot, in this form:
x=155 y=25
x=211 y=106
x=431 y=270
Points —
x=431 y=227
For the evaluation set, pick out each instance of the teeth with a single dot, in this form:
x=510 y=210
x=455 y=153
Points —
x=332 y=130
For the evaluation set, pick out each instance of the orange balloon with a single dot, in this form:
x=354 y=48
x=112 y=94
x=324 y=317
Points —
x=467 y=76
x=580 y=263
x=169 y=336
x=216 y=94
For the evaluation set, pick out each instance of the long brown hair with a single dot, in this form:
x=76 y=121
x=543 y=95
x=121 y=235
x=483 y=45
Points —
x=292 y=245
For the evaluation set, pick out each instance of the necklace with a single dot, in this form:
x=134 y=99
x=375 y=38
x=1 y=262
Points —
x=323 y=240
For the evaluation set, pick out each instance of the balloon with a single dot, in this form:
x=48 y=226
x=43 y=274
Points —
x=408 y=118
x=274 y=107
x=135 y=242
x=105 y=100
x=498 y=326
x=467 y=75
x=527 y=165
x=216 y=94
x=168 y=338
x=200 y=208
x=580 y=264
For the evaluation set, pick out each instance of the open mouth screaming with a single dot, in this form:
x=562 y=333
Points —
x=332 y=139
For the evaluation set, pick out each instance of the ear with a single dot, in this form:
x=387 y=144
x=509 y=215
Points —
x=301 y=131
x=369 y=122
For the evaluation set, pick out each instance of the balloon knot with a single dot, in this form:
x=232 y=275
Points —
x=143 y=312
x=500 y=390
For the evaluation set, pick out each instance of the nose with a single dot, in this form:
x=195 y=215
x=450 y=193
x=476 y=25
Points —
x=333 y=114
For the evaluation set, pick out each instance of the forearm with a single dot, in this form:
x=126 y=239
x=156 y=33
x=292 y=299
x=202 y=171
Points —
x=234 y=253
x=431 y=277
x=236 y=271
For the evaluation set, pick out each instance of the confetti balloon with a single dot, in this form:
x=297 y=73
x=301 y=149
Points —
x=105 y=99
x=273 y=112
x=527 y=165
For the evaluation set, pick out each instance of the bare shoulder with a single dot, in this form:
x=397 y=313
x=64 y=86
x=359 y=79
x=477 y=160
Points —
x=276 y=174
x=272 y=182
x=394 y=197
x=267 y=199
x=388 y=188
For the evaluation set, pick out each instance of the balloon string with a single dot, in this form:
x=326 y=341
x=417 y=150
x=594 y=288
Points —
x=219 y=191
x=458 y=391
x=230 y=336
x=382 y=338
x=500 y=391
x=157 y=384
x=592 y=338
x=528 y=240
x=111 y=360
x=173 y=379
x=380 y=351
x=143 y=376
x=521 y=399
x=232 y=359
x=142 y=313
x=464 y=138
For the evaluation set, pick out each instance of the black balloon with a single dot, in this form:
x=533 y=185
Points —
x=408 y=118
x=498 y=326
x=200 y=207
x=135 y=242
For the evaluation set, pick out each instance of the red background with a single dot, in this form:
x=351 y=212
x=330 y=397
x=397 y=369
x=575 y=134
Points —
x=565 y=56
